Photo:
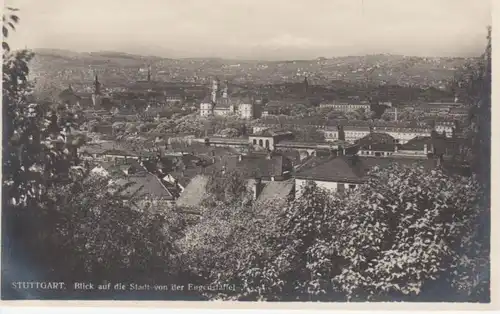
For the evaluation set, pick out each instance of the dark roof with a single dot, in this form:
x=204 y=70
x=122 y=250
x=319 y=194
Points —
x=104 y=147
x=207 y=100
x=352 y=169
x=256 y=166
x=378 y=147
x=341 y=169
x=228 y=140
x=271 y=133
x=144 y=184
x=376 y=138
x=440 y=145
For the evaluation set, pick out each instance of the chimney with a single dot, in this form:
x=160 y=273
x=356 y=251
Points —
x=425 y=149
x=256 y=188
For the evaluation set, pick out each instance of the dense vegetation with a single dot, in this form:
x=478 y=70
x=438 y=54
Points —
x=407 y=234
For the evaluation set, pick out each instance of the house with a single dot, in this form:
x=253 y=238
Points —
x=459 y=112
x=338 y=174
x=268 y=138
x=354 y=133
x=446 y=127
x=105 y=150
x=271 y=194
x=140 y=187
x=145 y=189
x=267 y=166
x=331 y=133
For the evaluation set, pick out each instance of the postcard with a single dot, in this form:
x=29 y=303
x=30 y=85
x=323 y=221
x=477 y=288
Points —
x=254 y=153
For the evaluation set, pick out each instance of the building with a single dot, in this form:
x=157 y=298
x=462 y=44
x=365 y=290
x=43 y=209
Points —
x=403 y=134
x=459 y=112
x=446 y=127
x=220 y=104
x=339 y=174
x=69 y=97
x=268 y=138
x=331 y=133
x=350 y=105
x=246 y=108
x=140 y=188
x=354 y=133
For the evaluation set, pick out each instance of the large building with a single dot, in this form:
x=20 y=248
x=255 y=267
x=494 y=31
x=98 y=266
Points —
x=218 y=103
x=348 y=105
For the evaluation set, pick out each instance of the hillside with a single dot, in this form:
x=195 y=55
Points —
x=116 y=68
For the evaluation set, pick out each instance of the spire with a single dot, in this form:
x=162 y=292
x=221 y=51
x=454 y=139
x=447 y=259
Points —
x=225 y=89
x=97 y=86
x=215 y=89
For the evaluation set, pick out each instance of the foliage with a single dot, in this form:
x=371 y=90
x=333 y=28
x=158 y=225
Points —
x=223 y=246
x=105 y=239
x=9 y=19
x=228 y=187
x=395 y=234
x=308 y=134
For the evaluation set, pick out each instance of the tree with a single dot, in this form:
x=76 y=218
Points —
x=308 y=134
x=400 y=238
x=9 y=19
x=228 y=187
x=278 y=263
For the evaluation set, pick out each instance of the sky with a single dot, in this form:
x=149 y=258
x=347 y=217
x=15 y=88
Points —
x=255 y=29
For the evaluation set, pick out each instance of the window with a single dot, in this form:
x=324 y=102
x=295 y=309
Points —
x=340 y=187
x=260 y=143
x=254 y=141
x=377 y=154
x=267 y=143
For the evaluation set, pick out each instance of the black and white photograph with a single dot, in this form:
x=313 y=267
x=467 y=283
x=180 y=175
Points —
x=272 y=151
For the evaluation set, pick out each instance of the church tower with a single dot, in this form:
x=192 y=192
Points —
x=215 y=89
x=96 y=96
x=306 y=85
x=149 y=73
x=224 y=90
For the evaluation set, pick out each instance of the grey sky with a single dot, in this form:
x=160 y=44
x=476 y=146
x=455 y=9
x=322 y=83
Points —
x=270 y=29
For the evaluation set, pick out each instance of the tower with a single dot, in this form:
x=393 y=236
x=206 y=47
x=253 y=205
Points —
x=149 y=73
x=215 y=89
x=306 y=85
x=96 y=96
x=224 y=90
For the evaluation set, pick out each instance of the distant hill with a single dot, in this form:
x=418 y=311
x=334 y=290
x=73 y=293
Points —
x=118 y=67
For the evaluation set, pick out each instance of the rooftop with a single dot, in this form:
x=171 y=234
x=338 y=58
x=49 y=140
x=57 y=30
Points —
x=144 y=185
x=194 y=193
x=349 y=169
